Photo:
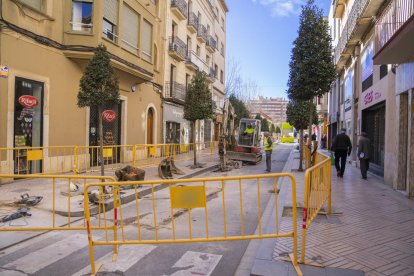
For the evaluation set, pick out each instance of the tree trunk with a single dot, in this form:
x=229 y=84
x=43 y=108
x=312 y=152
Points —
x=300 y=169
x=309 y=142
x=195 y=144
x=101 y=158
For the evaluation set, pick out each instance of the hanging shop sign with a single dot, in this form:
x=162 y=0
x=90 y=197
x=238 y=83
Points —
x=108 y=116
x=28 y=101
x=4 y=71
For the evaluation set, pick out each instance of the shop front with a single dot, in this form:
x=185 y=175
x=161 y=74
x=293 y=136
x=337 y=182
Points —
x=177 y=129
x=28 y=124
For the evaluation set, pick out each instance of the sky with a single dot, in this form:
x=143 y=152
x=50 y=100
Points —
x=260 y=35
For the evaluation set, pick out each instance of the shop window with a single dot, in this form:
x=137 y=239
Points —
x=172 y=133
x=81 y=16
x=367 y=83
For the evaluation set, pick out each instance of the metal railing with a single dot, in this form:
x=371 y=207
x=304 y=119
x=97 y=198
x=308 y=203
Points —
x=181 y=5
x=193 y=20
x=175 y=91
x=60 y=202
x=357 y=9
x=317 y=193
x=191 y=59
x=192 y=198
x=211 y=42
x=178 y=46
x=202 y=31
x=397 y=13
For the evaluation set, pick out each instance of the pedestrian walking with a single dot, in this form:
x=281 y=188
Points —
x=324 y=140
x=364 y=154
x=268 y=147
x=342 y=147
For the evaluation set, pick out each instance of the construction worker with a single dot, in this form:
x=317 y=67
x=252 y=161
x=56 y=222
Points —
x=268 y=147
x=249 y=129
x=249 y=132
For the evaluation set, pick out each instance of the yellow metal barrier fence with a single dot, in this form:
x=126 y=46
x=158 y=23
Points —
x=85 y=159
x=54 y=202
x=196 y=210
x=317 y=193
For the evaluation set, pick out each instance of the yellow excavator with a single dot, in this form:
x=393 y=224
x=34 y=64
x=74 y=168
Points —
x=246 y=148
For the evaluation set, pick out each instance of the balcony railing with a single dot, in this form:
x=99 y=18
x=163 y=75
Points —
x=211 y=43
x=190 y=61
x=177 y=48
x=175 y=91
x=192 y=21
x=202 y=32
x=349 y=28
x=393 y=18
x=201 y=64
x=181 y=6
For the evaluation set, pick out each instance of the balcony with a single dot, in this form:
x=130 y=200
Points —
x=202 y=33
x=211 y=76
x=394 y=33
x=190 y=62
x=356 y=27
x=211 y=44
x=175 y=92
x=339 y=8
x=177 y=48
x=192 y=23
x=179 y=8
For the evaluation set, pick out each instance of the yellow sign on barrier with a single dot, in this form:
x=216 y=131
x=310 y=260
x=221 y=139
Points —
x=188 y=197
x=107 y=152
x=152 y=151
x=34 y=155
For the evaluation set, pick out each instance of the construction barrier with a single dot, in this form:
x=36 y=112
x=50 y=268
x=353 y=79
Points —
x=85 y=159
x=57 y=189
x=181 y=212
x=317 y=193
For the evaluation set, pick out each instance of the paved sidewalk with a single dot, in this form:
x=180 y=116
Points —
x=374 y=235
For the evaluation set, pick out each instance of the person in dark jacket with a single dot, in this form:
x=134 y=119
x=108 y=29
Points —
x=364 y=154
x=342 y=147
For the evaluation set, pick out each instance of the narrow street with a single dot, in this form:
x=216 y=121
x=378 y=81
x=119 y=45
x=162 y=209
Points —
x=66 y=253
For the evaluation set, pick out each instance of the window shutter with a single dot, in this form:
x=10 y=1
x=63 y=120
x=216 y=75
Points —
x=147 y=41
x=130 y=27
x=111 y=11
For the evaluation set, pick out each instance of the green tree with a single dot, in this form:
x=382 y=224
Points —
x=198 y=104
x=312 y=70
x=297 y=115
x=272 y=128
x=265 y=125
x=277 y=130
x=99 y=86
x=239 y=108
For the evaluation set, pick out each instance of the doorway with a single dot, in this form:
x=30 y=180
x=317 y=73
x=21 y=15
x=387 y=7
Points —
x=150 y=126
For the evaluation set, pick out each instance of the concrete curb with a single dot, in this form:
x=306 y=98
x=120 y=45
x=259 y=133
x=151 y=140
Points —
x=109 y=205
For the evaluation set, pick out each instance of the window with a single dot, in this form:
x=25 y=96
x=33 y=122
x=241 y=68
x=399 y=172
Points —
x=222 y=23
x=110 y=20
x=198 y=50
x=222 y=49
x=208 y=60
x=221 y=76
x=35 y=4
x=130 y=23
x=383 y=70
x=81 y=16
x=215 y=71
x=147 y=41
x=217 y=41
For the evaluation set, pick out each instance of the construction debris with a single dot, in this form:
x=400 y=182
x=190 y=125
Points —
x=21 y=212
x=29 y=200
x=167 y=167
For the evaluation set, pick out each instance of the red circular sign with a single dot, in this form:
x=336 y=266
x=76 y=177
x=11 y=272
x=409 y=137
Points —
x=108 y=116
x=29 y=101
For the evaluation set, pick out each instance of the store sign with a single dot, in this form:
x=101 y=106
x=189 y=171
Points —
x=4 y=71
x=28 y=101
x=108 y=116
x=371 y=97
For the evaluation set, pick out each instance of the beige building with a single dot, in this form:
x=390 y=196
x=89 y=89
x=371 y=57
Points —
x=362 y=98
x=195 y=40
x=273 y=107
x=394 y=46
x=45 y=46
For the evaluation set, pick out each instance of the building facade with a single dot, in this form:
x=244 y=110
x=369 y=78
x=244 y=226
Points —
x=45 y=46
x=362 y=98
x=273 y=107
x=196 y=40
x=394 y=46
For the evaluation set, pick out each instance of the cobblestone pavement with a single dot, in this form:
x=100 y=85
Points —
x=375 y=232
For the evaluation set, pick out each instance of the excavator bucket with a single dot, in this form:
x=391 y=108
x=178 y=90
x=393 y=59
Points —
x=174 y=169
